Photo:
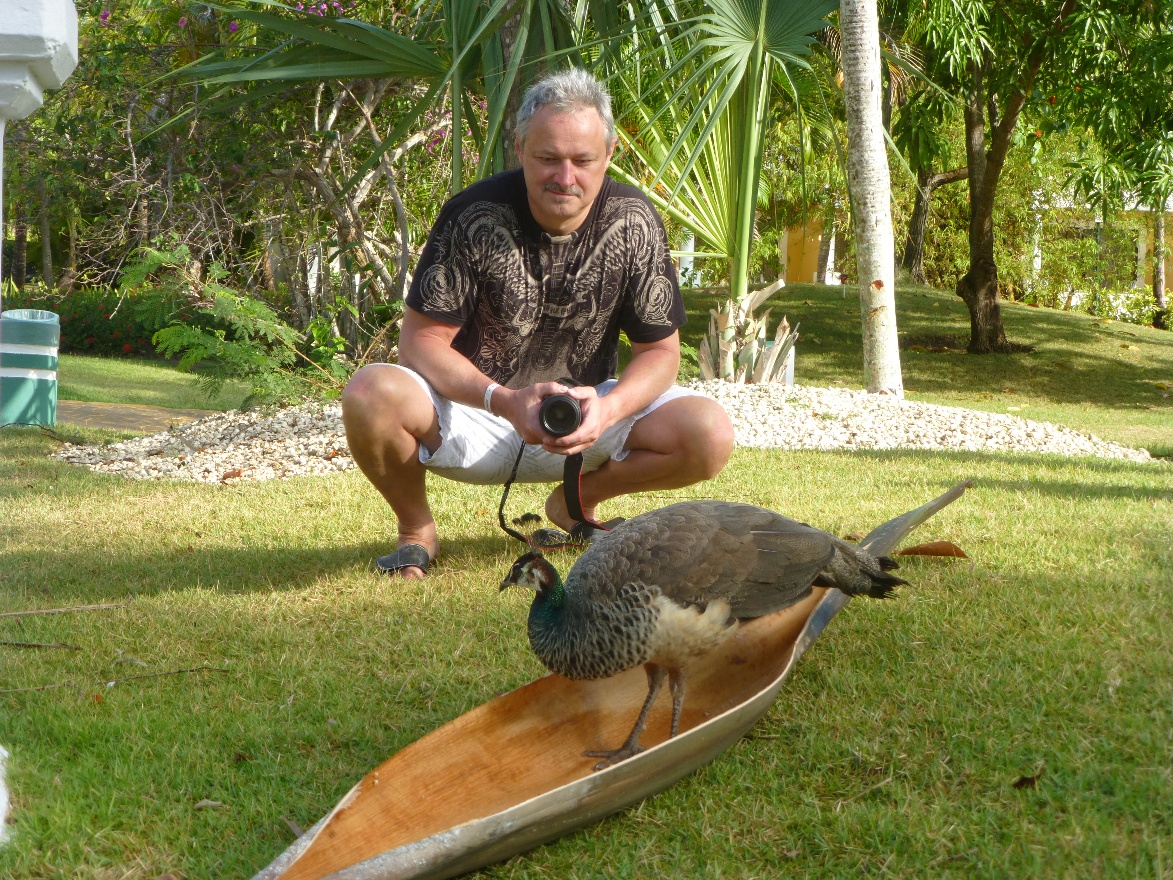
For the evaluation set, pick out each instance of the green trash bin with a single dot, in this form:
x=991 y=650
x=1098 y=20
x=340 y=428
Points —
x=28 y=367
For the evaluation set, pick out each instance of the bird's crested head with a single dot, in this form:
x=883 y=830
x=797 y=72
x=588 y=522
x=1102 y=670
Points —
x=534 y=571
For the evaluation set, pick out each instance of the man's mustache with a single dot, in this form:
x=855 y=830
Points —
x=563 y=190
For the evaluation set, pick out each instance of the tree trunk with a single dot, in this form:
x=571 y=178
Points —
x=509 y=37
x=1161 y=315
x=143 y=221
x=825 y=240
x=73 y=243
x=978 y=287
x=913 y=260
x=20 y=246
x=870 y=187
x=48 y=276
x=299 y=291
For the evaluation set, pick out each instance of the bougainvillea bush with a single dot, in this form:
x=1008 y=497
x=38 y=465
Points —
x=102 y=321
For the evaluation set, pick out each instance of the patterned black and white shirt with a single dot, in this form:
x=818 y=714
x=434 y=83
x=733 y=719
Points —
x=536 y=308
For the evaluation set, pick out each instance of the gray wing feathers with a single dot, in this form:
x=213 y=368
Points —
x=700 y=551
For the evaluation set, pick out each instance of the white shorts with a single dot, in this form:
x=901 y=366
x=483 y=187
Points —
x=479 y=447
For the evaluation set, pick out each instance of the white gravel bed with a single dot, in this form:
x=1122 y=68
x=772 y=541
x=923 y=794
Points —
x=266 y=444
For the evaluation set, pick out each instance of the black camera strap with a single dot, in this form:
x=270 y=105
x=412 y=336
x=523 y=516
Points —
x=572 y=489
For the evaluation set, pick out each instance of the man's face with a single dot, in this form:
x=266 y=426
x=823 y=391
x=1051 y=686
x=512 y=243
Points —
x=564 y=159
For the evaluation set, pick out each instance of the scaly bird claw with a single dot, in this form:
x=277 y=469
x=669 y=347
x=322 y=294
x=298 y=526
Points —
x=613 y=756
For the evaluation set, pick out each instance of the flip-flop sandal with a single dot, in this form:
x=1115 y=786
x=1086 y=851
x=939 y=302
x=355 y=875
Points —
x=580 y=535
x=404 y=557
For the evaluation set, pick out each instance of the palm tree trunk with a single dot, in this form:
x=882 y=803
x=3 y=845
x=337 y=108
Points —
x=46 y=233
x=870 y=186
x=1161 y=316
x=748 y=109
x=509 y=35
x=20 y=246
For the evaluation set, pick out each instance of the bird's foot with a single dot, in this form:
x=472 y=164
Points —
x=614 y=756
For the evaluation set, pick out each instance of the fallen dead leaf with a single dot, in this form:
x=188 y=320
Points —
x=1028 y=781
x=206 y=804
x=933 y=548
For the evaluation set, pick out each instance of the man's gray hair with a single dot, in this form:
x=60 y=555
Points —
x=566 y=90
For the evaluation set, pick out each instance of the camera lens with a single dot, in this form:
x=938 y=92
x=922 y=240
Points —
x=560 y=415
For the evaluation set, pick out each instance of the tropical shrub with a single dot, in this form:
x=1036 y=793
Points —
x=101 y=320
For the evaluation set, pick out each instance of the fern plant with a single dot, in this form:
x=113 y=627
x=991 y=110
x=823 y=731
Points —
x=228 y=335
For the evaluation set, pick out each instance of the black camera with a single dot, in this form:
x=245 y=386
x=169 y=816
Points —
x=560 y=415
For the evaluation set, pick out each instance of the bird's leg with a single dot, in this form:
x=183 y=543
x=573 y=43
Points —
x=677 y=682
x=656 y=676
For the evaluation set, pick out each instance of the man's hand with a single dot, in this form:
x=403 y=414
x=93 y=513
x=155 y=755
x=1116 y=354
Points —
x=522 y=406
x=596 y=418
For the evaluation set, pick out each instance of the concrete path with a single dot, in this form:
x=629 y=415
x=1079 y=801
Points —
x=125 y=416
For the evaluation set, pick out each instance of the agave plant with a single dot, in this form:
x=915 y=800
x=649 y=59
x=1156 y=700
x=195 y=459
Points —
x=735 y=348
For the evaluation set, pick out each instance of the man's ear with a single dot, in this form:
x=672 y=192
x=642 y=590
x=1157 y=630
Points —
x=517 y=147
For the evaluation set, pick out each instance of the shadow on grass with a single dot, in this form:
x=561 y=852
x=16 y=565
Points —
x=1057 y=472
x=51 y=575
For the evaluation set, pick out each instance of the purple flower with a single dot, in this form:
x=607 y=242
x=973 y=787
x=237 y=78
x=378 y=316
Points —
x=182 y=22
x=105 y=15
x=232 y=26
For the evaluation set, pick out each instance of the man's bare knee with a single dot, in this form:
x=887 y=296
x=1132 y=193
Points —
x=695 y=431
x=381 y=401
x=366 y=387
x=709 y=440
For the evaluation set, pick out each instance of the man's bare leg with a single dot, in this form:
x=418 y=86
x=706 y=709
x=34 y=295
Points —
x=682 y=442
x=387 y=415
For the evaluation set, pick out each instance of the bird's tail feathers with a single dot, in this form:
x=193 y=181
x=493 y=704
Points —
x=880 y=586
x=857 y=573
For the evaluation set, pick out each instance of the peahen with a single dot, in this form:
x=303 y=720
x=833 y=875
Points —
x=672 y=584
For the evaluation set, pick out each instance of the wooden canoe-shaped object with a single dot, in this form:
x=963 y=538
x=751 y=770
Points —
x=510 y=774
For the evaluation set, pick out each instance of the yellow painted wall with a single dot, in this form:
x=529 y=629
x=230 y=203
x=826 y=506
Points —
x=802 y=252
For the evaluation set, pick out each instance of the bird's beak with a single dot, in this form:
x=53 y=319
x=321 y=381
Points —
x=505 y=583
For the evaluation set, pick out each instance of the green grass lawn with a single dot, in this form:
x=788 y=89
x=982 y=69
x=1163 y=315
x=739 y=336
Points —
x=131 y=380
x=893 y=749
x=1106 y=378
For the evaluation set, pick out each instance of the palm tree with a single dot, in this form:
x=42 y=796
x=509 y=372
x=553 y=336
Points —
x=701 y=126
x=456 y=51
x=870 y=188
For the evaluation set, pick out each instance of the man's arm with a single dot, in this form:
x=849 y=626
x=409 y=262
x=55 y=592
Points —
x=425 y=345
